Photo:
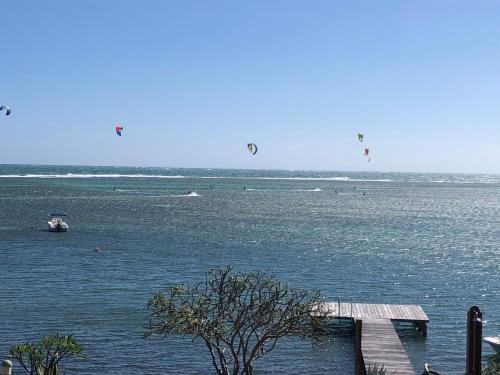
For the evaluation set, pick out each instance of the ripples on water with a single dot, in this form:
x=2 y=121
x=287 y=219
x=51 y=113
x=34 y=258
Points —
x=411 y=239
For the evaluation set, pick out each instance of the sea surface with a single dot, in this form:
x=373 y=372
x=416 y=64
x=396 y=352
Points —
x=428 y=239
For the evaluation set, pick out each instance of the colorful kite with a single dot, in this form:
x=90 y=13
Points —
x=252 y=148
x=367 y=151
x=7 y=108
x=119 y=129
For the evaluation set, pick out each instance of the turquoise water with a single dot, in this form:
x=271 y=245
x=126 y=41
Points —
x=428 y=239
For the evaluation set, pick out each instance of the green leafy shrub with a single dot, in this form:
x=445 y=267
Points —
x=43 y=357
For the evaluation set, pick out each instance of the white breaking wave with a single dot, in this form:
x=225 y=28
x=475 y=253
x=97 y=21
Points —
x=311 y=190
x=116 y=175
x=83 y=175
x=459 y=182
x=347 y=179
x=192 y=194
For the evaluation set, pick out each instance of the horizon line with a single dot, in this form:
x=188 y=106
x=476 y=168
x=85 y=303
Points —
x=245 y=169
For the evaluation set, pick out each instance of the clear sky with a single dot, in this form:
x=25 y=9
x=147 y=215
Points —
x=193 y=81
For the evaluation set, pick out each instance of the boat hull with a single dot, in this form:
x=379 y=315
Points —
x=57 y=225
x=52 y=229
x=494 y=342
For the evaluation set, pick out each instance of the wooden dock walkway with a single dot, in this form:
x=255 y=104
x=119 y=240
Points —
x=378 y=343
x=397 y=313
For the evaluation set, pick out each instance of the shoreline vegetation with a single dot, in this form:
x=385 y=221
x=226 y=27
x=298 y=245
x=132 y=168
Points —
x=239 y=316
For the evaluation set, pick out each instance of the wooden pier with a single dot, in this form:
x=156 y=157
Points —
x=376 y=340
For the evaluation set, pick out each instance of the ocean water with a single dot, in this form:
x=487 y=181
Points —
x=428 y=239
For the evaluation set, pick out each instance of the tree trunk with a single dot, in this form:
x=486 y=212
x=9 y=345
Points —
x=248 y=369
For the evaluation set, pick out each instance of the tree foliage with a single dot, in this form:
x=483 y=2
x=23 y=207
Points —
x=492 y=366
x=377 y=370
x=43 y=357
x=239 y=316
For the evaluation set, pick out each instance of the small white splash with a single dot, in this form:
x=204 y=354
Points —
x=190 y=194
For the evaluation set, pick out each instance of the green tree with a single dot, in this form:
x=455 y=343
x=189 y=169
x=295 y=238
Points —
x=493 y=365
x=43 y=357
x=239 y=316
x=376 y=370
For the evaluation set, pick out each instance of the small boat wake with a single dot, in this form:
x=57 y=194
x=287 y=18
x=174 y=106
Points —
x=189 y=194
x=310 y=190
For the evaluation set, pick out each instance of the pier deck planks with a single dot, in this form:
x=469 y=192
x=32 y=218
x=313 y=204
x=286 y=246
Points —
x=399 y=313
x=380 y=345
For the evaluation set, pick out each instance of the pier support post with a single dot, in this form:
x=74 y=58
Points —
x=474 y=337
x=422 y=327
x=6 y=367
x=358 y=358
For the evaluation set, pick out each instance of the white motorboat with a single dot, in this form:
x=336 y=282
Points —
x=494 y=341
x=56 y=224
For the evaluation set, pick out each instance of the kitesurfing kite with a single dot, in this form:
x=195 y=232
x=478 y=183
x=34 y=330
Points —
x=7 y=108
x=252 y=148
x=367 y=151
x=119 y=129
x=360 y=137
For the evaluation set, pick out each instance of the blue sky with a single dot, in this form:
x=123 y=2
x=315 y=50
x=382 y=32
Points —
x=193 y=81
